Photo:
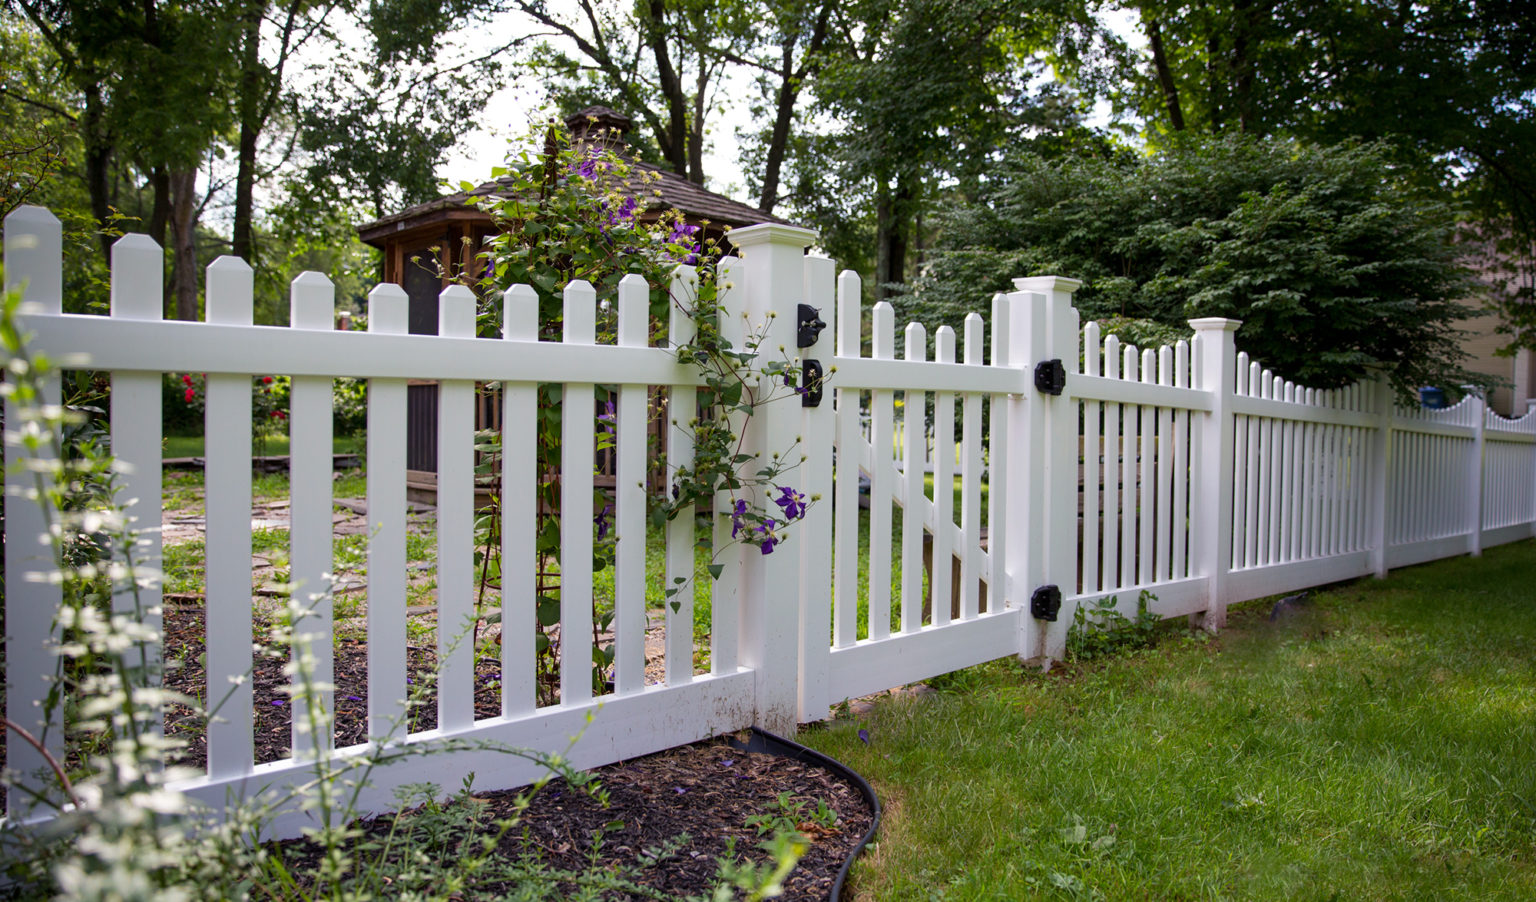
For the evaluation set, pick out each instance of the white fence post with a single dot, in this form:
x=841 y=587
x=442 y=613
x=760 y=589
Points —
x=815 y=530
x=1378 y=535
x=1479 y=414
x=1058 y=475
x=773 y=257
x=34 y=266
x=1211 y=521
x=1024 y=554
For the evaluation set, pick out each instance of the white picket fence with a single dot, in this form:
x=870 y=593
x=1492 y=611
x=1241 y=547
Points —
x=1187 y=471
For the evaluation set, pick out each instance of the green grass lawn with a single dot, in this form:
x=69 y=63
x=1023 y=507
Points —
x=274 y=445
x=1379 y=745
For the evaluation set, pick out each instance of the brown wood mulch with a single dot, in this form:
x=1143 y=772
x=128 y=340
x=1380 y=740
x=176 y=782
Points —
x=707 y=790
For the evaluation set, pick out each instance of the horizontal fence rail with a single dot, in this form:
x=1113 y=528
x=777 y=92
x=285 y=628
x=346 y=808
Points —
x=953 y=492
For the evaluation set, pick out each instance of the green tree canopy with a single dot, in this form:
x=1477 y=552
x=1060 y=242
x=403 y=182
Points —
x=1331 y=257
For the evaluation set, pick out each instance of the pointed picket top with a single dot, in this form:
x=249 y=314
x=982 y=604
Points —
x=1092 y=349
x=685 y=294
x=916 y=342
x=389 y=310
x=634 y=310
x=849 y=311
x=230 y=285
x=456 y=312
x=34 y=253
x=520 y=314
x=1112 y=357
x=312 y=302
x=1181 y=364
x=944 y=345
x=138 y=278
x=884 y=331
x=974 y=335
x=580 y=312
x=1000 y=353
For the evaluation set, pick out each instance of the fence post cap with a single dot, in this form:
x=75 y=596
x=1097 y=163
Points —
x=1215 y=324
x=1046 y=284
x=33 y=214
x=771 y=233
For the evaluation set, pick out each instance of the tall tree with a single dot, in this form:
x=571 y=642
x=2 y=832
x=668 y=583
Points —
x=150 y=76
x=927 y=92
x=1449 y=85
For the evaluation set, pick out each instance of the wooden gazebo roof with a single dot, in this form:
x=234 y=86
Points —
x=594 y=124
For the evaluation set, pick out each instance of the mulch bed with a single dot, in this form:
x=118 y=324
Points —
x=707 y=790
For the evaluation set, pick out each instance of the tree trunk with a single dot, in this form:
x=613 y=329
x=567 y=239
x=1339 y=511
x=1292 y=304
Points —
x=243 y=243
x=790 y=82
x=98 y=159
x=1164 y=72
x=160 y=198
x=674 y=143
x=184 y=245
x=893 y=214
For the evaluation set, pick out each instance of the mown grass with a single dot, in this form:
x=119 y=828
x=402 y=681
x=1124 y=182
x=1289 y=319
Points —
x=175 y=446
x=1381 y=744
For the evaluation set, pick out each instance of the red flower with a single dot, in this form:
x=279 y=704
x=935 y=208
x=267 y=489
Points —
x=190 y=395
x=266 y=380
x=186 y=380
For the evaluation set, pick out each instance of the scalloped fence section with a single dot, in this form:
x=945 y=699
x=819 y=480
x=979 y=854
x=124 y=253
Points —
x=975 y=488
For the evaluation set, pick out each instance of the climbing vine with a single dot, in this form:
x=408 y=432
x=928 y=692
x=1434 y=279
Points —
x=578 y=210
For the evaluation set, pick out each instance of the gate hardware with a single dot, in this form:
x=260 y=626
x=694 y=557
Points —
x=1050 y=377
x=808 y=326
x=811 y=373
x=1045 y=603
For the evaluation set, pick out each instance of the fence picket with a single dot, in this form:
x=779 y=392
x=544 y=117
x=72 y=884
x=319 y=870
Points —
x=33 y=267
x=519 y=522
x=456 y=616
x=630 y=457
x=577 y=437
x=312 y=307
x=725 y=592
x=1129 y=463
x=941 y=577
x=1164 y=489
x=996 y=571
x=1146 y=514
x=1090 y=443
x=388 y=310
x=1181 y=467
x=881 y=415
x=138 y=267
x=228 y=546
x=914 y=409
x=1113 y=578
x=970 y=478
x=845 y=584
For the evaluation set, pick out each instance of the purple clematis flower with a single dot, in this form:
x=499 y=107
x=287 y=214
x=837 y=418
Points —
x=768 y=538
x=791 y=502
x=602 y=522
x=607 y=417
x=737 y=512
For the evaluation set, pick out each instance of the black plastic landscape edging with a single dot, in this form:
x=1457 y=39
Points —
x=764 y=741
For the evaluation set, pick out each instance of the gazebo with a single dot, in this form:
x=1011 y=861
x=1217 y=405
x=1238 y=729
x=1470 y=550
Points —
x=450 y=230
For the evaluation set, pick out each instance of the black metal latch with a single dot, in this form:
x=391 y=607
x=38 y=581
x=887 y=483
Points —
x=1050 y=377
x=811 y=375
x=1045 y=603
x=808 y=326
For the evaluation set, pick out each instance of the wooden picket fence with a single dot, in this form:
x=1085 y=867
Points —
x=1186 y=471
